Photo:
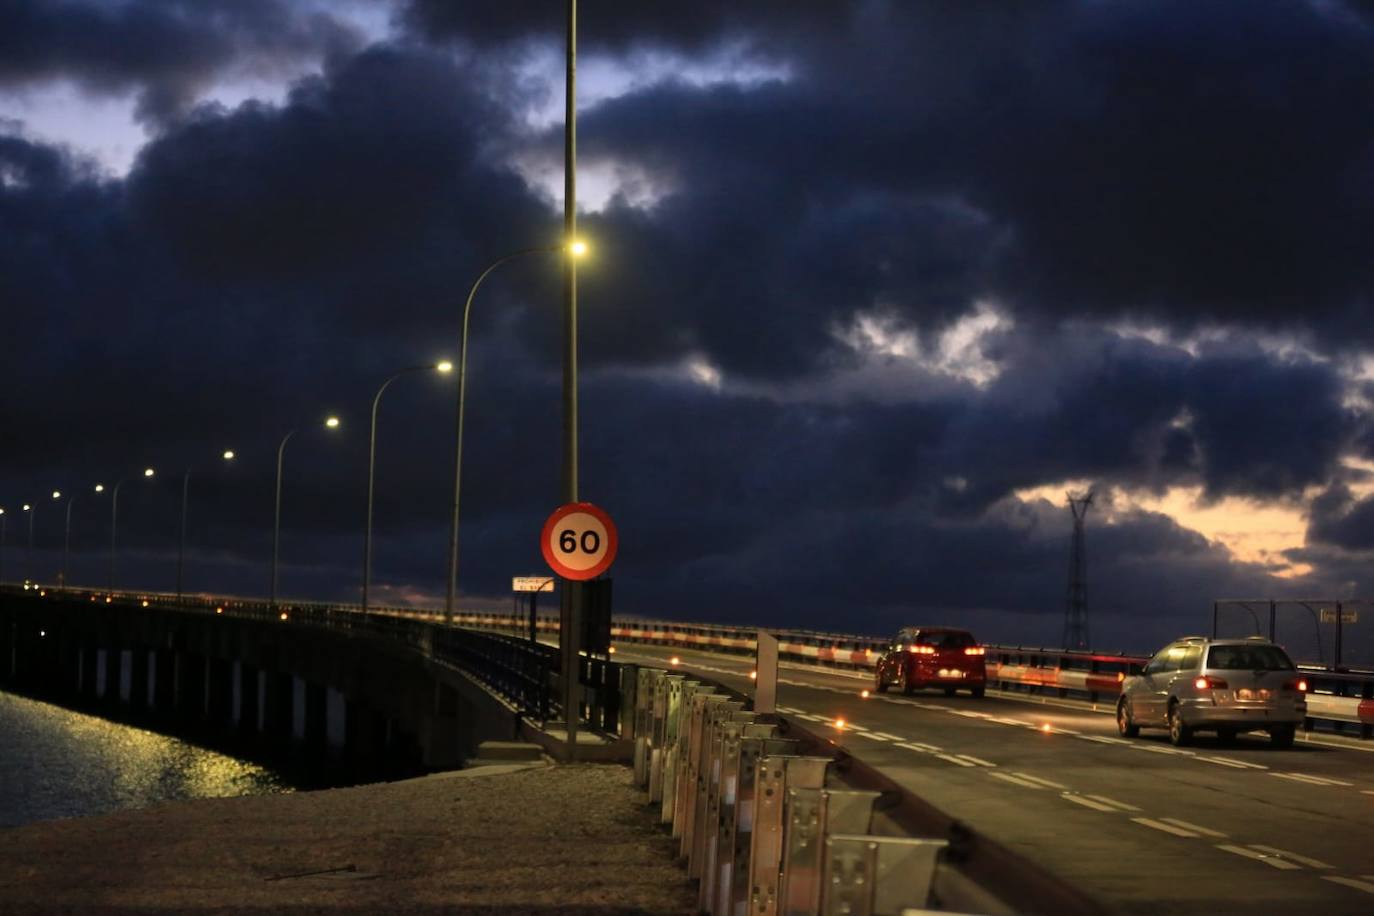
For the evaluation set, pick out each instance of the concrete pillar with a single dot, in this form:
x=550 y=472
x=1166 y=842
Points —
x=279 y=704
x=90 y=672
x=164 y=682
x=138 y=680
x=247 y=716
x=114 y=676
x=190 y=681
x=316 y=724
x=220 y=692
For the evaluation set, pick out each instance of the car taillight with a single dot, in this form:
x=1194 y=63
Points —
x=974 y=650
x=923 y=650
x=1299 y=684
x=1209 y=683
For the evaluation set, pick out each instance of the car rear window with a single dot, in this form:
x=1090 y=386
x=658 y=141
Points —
x=945 y=640
x=1248 y=658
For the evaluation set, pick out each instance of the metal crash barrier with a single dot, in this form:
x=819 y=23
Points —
x=763 y=827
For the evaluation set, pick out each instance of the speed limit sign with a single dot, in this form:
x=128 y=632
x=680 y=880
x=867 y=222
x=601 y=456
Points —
x=579 y=541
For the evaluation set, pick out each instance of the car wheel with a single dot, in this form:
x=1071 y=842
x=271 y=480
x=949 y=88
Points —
x=977 y=693
x=903 y=684
x=879 y=684
x=1124 y=724
x=1179 y=734
x=1282 y=735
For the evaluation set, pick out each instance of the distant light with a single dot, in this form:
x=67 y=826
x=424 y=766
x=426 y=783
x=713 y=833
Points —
x=283 y=615
x=332 y=422
x=219 y=610
x=611 y=650
x=840 y=723
x=864 y=694
x=577 y=248
x=26 y=507
x=674 y=660
x=43 y=633
x=1045 y=728
x=2 y=511
x=753 y=675
x=100 y=488
x=229 y=454
x=108 y=599
x=26 y=586
x=444 y=366
x=42 y=593
x=145 y=602
x=148 y=472
x=56 y=494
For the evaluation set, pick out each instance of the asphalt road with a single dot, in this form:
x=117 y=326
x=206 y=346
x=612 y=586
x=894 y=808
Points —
x=1139 y=825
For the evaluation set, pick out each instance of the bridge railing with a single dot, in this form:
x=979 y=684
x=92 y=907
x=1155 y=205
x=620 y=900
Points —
x=1341 y=700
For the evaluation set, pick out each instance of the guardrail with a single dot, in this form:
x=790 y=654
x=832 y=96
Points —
x=1341 y=701
x=525 y=674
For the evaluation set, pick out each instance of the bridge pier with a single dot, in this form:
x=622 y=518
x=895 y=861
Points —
x=114 y=677
x=190 y=686
x=279 y=706
x=138 y=681
x=315 y=727
x=248 y=692
x=164 y=682
x=219 y=692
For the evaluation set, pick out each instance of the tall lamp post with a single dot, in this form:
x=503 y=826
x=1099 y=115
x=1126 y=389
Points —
x=574 y=249
x=32 y=510
x=114 y=517
x=329 y=423
x=181 y=541
x=443 y=367
x=56 y=496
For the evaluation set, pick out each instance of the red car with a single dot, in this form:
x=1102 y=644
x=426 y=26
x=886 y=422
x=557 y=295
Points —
x=933 y=657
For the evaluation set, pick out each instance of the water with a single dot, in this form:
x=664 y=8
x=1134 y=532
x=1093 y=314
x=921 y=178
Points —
x=57 y=763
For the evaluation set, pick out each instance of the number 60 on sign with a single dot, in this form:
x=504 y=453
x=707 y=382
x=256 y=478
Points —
x=579 y=541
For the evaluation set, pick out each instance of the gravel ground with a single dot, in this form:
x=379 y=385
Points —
x=500 y=839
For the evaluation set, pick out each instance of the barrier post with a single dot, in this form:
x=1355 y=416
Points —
x=813 y=814
x=766 y=841
x=736 y=833
x=875 y=876
x=707 y=770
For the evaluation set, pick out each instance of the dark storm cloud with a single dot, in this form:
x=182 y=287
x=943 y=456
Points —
x=166 y=50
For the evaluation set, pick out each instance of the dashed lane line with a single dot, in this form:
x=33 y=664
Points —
x=1044 y=782
x=1088 y=802
x=1166 y=828
x=1155 y=749
x=1016 y=780
x=1312 y=780
x=1204 y=831
x=1119 y=805
x=1235 y=764
x=1267 y=858
x=921 y=747
x=1366 y=886
x=1102 y=739
x=885 y=736
x=1292 y=856
x=979 y=761
x=956 y=760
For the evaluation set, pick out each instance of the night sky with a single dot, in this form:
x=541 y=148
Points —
x=872 y=285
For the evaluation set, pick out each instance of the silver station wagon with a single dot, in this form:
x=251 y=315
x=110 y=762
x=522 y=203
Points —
x=1223 y=685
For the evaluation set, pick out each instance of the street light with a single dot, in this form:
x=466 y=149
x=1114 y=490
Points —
x=28 y=553
x=444 y=367
x=329 y=423
x=574 y=249
x=114 y=517
x=181 y=541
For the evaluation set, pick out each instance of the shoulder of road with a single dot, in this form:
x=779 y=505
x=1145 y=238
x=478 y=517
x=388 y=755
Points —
x=529 y=838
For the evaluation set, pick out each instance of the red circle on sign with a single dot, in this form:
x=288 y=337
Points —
x=579 y=541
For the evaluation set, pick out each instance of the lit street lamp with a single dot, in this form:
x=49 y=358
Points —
x=329 y=423
x=114 y=518
x=443 y=367
x=575 y=249
x=181 y=541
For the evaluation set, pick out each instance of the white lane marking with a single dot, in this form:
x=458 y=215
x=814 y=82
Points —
x=1044 y=782
x=1167 y=828
x=1292 y=856
x=1060 y=731
x=1365 y=886
x=851 y=727
x=978 y=761
x=1155 y=749
x=1103 y=740
x=956 y=760
x=1006 y=721
x=1367 y=791
x=1233 y=762
x=1312 y=780
x=791 y=709
x=808 y=717
x=1113 y=802
x=885 y=736
x=1271 y=860
x=1205 y=831
x=1088 y=803
x=1015 y=780
x=920 y=746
